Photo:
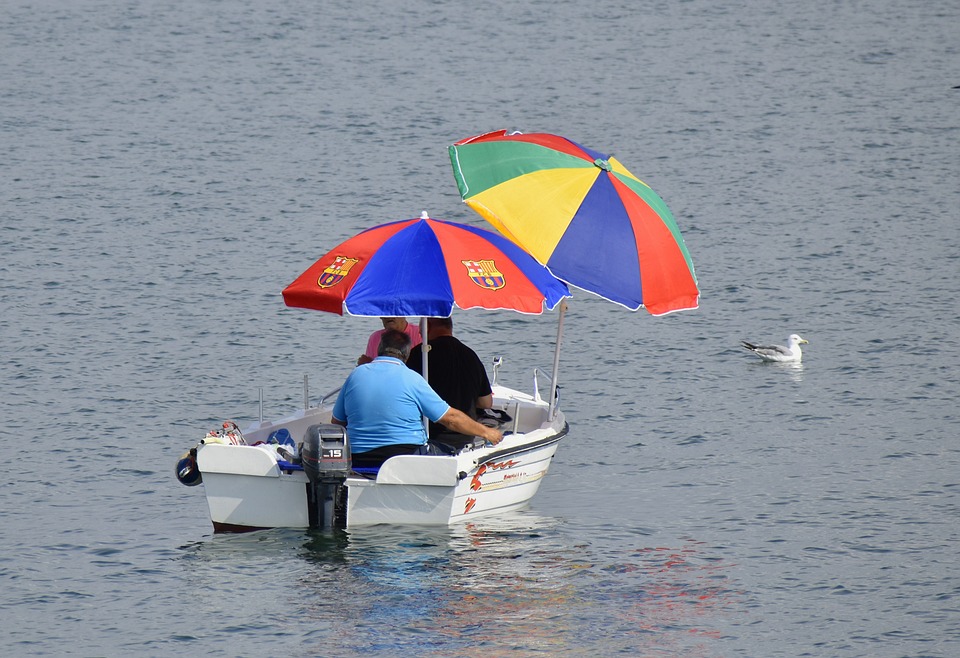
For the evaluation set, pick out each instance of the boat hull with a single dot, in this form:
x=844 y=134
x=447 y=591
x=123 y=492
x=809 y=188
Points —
x=248 y=488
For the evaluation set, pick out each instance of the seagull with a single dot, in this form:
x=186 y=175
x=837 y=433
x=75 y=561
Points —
x=789 y=354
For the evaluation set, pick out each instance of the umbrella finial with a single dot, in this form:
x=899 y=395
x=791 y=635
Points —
x=424 y=215
x=603 y=164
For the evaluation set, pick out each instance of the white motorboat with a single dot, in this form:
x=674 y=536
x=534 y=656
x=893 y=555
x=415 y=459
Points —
x=296 y=472
x=254 y=481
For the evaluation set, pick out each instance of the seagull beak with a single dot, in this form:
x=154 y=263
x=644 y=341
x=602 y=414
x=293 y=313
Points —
x=804 y=341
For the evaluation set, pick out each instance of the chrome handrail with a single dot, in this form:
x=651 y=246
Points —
x=328 y=395
x=536 y=383
x=497 y=362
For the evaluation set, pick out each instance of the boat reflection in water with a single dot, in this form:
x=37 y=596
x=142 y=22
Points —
x=511 y=583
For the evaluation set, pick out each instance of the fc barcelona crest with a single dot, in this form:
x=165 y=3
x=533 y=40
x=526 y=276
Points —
x=333 y=274
x=484 y=273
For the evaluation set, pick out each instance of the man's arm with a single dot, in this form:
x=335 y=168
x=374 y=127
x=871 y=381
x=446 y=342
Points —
x=484 y=400
x=460 y=422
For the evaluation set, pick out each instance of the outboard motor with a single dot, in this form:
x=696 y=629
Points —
x=325 y=457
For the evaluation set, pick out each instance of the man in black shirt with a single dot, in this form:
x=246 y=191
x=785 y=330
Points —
x=456 y=373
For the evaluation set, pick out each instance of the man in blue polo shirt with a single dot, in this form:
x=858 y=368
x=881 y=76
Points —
x=382 y=405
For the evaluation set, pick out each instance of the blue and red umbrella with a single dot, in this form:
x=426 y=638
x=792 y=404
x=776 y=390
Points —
x=425 y=267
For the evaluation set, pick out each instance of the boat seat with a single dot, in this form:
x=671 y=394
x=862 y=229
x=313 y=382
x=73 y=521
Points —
x=368 y=471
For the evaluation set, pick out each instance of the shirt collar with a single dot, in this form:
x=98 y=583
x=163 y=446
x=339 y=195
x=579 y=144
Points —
x=389 y=359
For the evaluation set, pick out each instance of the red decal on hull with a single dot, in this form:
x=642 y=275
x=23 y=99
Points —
x=475 y=482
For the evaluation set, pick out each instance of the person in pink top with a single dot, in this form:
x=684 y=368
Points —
x=400 y=324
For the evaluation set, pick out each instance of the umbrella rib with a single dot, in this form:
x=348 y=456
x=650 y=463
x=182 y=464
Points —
x=464 y=186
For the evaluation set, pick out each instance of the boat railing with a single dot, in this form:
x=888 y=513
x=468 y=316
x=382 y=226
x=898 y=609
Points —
x=537 y=373
x=323 y=399
x=306 y=397
x=326 y=396
x=497 y=362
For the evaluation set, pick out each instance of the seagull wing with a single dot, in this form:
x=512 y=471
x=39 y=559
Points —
x=770 y=351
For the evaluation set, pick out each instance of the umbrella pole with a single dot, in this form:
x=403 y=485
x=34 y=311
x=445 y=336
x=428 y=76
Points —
x=423 y=365
x=556 y=361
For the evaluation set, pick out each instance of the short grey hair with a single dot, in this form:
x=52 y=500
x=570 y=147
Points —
x=394 y=343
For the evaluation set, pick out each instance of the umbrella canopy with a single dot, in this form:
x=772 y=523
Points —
x=425 y=267
x=582 y=214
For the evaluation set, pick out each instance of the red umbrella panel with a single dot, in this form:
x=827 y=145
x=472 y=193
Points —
x=425 y=267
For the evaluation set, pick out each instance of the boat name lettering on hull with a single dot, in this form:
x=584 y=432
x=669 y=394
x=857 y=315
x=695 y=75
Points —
x=475 y=482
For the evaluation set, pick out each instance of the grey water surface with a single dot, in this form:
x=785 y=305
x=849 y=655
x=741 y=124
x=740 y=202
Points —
x=169 y=167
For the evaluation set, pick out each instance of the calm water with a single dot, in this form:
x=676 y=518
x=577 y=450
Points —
x=169 y=167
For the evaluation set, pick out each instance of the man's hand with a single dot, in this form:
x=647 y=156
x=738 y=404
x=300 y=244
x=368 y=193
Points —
x=460 y=422
x=493 y=436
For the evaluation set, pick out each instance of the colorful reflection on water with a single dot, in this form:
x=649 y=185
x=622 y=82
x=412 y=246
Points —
x=508 y=585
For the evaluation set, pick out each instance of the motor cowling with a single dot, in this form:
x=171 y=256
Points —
x=325 y=457
x=326 y=452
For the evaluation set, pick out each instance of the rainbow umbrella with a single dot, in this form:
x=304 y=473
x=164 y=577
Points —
x=425 y=267
x=582 y=214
